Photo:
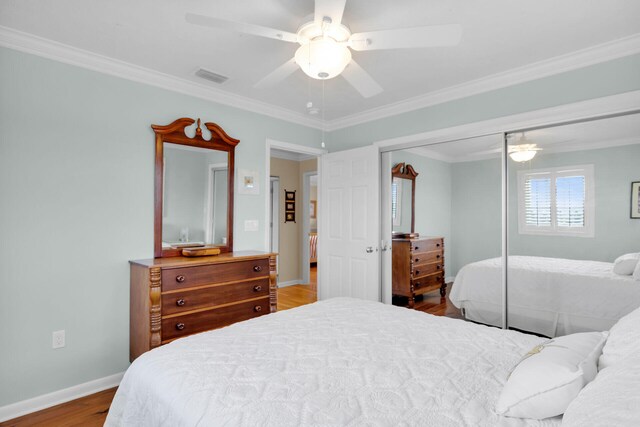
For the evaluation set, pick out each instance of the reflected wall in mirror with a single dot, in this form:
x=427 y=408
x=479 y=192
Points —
x=457 y=210
x=568 y=223
x=195 y=196
x=194 y=187
x=403 y=198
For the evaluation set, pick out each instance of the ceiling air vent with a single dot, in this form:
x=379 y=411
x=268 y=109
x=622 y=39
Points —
x=210 y=75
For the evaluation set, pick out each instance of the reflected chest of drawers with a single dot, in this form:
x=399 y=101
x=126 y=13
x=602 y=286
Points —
x=417 y=267
x=179 y=296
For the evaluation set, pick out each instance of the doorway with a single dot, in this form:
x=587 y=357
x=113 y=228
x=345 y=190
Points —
x=293 y=209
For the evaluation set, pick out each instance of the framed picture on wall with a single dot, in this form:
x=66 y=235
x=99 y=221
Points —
x=289 y=217
x=290 y=206
x=635 y=200
x=312 y=209
x=248 y=182
x=290 y=195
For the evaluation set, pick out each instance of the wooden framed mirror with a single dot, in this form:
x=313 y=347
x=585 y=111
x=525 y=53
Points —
x=194 y=183
x=403 y=198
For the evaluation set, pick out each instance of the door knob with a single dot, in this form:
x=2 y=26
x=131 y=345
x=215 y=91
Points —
x=369 y=249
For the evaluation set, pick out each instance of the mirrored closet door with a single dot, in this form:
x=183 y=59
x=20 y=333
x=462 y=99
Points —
x=452 y=194
x=571 y=204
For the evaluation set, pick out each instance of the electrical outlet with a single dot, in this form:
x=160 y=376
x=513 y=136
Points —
x=58 y=339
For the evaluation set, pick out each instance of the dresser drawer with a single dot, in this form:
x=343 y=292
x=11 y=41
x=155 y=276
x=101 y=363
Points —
x=427 y=257
x=181 y=301
x=428 y=283
x=426 y=269
x=186 y=277
x=179 y=326
x=418 y=246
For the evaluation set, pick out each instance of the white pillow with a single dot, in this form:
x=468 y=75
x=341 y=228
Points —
x=636 y=272
x=611 y=399
x=550 y=376
x=624 y=339
x=625 y=264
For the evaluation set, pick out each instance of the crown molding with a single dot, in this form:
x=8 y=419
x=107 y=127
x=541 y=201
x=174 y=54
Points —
x=50 y=49
x=623 y=103
x=561 y=148
x=579 y=59
x=29 y=43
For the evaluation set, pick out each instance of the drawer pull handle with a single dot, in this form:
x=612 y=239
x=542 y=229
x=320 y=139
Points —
x=180 y=302
x=257 y=268
x=180 y=278
x=417 y=272
x=417 y=260
x=416 y=248
x=438 y=267
x=438 y=256
x=257 y=288
x=437 y=245
x=257 y=308
x=179 y=326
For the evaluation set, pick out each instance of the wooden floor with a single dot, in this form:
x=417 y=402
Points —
x=297 y=295
x=92 y=410
x=88 y=411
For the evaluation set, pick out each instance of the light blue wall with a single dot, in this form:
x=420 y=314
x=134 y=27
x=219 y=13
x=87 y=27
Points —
x=608 y=78
x=76 y=169
x=615 y=232
x=433 y=198
x=476 y=211
x=477 y=199
x=76 y=186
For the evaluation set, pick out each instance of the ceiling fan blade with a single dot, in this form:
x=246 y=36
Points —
x=435 y=35
x=331 y=8
x=361 y=80
x=277 y=75
x=238 y=27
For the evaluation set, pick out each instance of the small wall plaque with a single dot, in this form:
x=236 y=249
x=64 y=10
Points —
x=289 y=206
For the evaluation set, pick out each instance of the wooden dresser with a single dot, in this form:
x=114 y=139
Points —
x=417 y=267
x=178 y=296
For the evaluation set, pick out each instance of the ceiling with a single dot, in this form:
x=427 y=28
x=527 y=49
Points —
x=498 y=35
x=610 y=132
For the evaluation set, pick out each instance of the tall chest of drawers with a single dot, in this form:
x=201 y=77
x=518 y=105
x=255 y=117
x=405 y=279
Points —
x=417 y=267
x=178 y=296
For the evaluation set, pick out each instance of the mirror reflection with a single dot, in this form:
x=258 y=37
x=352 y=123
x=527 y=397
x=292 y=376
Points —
x=401 y=204
x=195 y=196
x=457 y=223
x=569 y=204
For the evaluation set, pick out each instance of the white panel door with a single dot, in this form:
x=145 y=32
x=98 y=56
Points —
x=349 y=224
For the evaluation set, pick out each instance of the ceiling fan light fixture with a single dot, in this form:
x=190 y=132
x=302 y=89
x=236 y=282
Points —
x=523 y=152
x=323 y=58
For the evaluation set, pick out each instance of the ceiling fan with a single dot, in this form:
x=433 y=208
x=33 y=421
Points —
x=326 y=44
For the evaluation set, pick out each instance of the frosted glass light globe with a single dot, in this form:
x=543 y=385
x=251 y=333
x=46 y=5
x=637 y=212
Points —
x=322 y=58
x=522 y=156
x=522 y=153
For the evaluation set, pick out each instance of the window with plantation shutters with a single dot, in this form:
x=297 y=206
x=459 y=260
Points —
x=557 y=201
x=396 y=201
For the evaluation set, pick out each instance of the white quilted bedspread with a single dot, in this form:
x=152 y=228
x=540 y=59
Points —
x=340 y=362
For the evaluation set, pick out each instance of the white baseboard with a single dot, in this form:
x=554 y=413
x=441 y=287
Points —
x=48 y=400
x=290 y=283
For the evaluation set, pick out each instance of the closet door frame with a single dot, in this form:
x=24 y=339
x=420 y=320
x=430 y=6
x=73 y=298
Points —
x=584 y=111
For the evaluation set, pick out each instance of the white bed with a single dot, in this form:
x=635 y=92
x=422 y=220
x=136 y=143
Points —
x=333 y=363
x=549 y=296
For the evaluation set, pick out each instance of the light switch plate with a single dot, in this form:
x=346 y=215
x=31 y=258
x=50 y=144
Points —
x=251 y=225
